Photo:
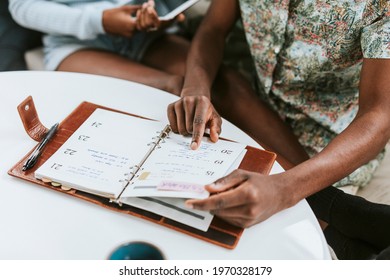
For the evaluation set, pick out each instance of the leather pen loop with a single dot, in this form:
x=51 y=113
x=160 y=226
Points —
x=29 y=116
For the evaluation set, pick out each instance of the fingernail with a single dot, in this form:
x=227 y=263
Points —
x=194 y=145
x=215 y=187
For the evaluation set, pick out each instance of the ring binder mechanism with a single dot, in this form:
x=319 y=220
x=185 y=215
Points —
x=164 y=133
x=95 y=146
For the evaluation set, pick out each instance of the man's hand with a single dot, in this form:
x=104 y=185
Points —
x=121 y=21
x=244 y=198
x=192 y=115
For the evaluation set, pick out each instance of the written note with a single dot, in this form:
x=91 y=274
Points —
x=180 y=186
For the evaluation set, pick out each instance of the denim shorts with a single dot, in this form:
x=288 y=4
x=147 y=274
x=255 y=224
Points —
x=58 y=47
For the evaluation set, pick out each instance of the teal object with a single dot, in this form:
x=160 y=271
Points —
x=136 y=251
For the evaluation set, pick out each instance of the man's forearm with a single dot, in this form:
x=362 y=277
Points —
x=203 y=63
x=207 y=47
x=358 y=144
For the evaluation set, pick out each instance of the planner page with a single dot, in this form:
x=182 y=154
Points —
x=174 y=170
x=100 y=153
x=175 y=209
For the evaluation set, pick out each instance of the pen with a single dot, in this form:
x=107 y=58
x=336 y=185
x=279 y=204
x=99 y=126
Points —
x=38 y=150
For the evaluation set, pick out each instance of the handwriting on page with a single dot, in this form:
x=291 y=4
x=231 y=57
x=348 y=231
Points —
x=202 y=162
x=100 y=158
x=101 y=152
x=109 y=159
x=175 y=163
x=180 y=186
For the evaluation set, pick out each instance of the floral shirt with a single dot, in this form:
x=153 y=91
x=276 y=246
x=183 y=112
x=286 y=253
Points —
x=308 y=56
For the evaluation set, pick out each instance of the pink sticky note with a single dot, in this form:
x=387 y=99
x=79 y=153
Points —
x=180 y=186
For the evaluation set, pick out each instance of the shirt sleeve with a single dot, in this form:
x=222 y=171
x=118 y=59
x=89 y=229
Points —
x=56 y=18
x=375 y=39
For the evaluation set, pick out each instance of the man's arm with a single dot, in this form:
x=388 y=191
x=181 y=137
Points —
x=363 y=139
x=193 y=113
x=245 y=198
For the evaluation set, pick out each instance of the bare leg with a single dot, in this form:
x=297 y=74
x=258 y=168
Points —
x=168 y=54
x=163 y=69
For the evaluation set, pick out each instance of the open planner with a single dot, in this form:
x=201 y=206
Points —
x=141 y=163
x=139 y=166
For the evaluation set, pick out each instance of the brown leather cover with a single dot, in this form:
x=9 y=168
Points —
x=219 y=233
x=33 y=126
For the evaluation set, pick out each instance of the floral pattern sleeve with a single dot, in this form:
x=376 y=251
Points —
x=308 y=56
x=375 y=40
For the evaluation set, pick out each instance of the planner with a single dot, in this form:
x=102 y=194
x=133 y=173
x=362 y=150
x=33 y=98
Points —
x=131 y=160
x=138 y=166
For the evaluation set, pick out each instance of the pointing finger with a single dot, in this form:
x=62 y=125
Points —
x=199 y=124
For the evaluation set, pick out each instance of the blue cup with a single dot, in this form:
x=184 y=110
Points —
x=136 y=251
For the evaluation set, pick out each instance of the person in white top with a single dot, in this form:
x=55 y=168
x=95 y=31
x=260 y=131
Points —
x=122 y=39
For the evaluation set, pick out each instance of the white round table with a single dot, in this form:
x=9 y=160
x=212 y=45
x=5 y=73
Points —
x=37 y=223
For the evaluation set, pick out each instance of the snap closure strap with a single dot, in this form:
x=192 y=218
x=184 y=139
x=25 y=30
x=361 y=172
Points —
x=29 y=116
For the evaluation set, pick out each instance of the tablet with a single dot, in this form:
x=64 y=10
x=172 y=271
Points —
x=176 y=7
x=173 y=7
